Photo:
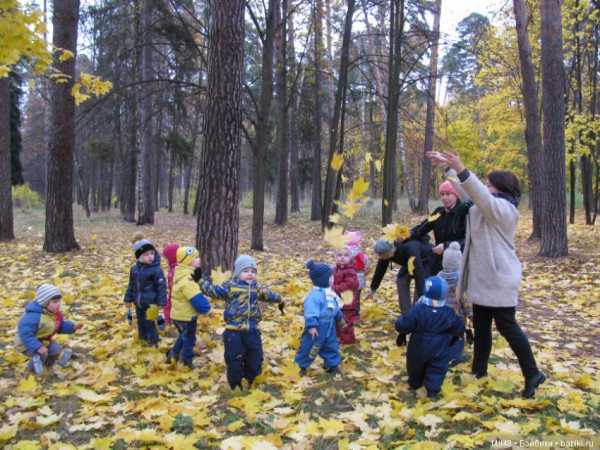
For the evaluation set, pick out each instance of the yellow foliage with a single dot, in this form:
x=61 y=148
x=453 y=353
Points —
x=335 y=237
x=395 y=232
x=336 y=161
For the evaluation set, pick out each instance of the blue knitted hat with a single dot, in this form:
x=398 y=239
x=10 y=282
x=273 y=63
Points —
x=319 y=273
x=436 y=288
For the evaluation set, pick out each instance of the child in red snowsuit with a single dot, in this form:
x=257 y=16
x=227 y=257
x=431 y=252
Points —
x=345 y=284
x=361 y=262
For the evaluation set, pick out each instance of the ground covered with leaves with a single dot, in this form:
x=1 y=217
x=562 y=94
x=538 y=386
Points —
x=119 y=394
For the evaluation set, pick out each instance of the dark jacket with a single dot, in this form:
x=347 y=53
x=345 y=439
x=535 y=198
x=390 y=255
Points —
x=420 y=250
x=147 y=285
x=447 y=226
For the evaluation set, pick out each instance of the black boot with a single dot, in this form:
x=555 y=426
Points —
x=401 y=340
x=531 y=385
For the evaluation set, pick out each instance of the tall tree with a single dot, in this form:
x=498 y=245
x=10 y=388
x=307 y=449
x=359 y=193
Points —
x=16 y=93
x=146 y=197
x=219 y=190
x=430 y=119
x=262 y=129
x=60 y=234
x=317 y=14
x=6 y=212
x=391 y=135
x=293 y=117
x=554 y=224
x=281 y=210
x=533 y=135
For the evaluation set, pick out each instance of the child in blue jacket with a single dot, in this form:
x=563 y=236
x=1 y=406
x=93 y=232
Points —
x=242 y=338
x=434 y=330
x=147 y=290
x=321 y=313
x=41 y=321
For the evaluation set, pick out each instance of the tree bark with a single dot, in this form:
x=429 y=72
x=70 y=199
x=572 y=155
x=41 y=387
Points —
x=423 y=207
x=262 y=130
x=281 y=209
x=554 y=224
x=146 y=198
x=315 y=209
x=6 y=212
x=533 y=135
x=218 y=215
x=293 y=119
x=60 y=234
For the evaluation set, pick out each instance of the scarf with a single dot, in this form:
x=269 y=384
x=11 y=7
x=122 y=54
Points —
x=509 y=198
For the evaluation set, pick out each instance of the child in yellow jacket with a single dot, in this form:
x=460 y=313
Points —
x=187 y=303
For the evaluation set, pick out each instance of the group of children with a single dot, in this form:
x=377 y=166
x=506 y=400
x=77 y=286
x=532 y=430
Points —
x=331 y=310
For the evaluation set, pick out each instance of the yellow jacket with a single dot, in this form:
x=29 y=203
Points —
x=184 y=290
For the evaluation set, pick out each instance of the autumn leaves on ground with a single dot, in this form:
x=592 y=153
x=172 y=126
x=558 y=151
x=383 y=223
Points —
x=118 y=394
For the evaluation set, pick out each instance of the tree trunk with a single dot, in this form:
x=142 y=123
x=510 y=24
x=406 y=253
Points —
x=391 y=136
x=423 y=207
x=533 y=135
x=293 y=119
x=6 y=212
x=262 y=130
x=146 y=206
x=171 y=190
x=315 y=209
x=333 y=179
x=129 y=172
x=281 y=209
x=218 y=216
x=554 y=224
x=60 y=234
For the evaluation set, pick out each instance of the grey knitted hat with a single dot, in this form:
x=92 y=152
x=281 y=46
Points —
x=452 y=257
x=243 y=262
x=141 y=246
x=382 y=247
x=45 y=293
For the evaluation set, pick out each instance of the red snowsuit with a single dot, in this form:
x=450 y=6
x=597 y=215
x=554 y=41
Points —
x=345 y=279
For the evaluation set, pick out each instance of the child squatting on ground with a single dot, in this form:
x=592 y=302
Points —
x=41 y=321
x=321 y=313
x=242 y=338
x=187 y=303
x=147 y=290
x=434 y=332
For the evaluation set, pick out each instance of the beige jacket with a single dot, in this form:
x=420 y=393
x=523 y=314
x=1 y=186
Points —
x=490 y=272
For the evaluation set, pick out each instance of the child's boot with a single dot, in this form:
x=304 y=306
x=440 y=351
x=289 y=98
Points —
x=37 y=364
x=65 y=357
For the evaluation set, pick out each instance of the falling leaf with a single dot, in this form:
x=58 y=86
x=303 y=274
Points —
x=378 y=165
x=65 y=55
x=368 y=157
x=336 y=161
x=395 y=232
x=359 y=188
x=335 y=218
x=335 y=237
x=349 y=209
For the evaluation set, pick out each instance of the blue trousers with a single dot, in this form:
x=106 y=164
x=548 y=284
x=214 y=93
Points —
x=243 y=356
x=146 y=328
x=329 y=348
x=184 y=345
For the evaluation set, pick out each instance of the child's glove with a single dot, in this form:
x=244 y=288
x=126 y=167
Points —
x=129 y=316
x=281 y=306
x=152 y=313
x=469 y=336
x=401 y=340
x=160 y=321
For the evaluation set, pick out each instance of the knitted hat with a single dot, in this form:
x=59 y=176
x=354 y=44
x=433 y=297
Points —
x=436 y=288
x=185 y=255
x=243 y=262
x=319 y=273
x=141 y=246
x=382 y=247
x=45 y=293
x=448 y=188
x=452 y=257
x=170 y=254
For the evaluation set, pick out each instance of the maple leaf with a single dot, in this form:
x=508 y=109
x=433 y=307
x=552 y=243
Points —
x=335 y=237
x=359 y=188
x=368 y=157
x=336 y=161
x=349 y=209
x=395 y=232
x=335 y=218
x=7 y=432
x=431 y=420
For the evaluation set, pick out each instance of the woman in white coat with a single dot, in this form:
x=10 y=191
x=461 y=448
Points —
x=490 y=269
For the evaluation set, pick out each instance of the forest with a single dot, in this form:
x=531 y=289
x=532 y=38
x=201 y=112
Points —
x=274 y=128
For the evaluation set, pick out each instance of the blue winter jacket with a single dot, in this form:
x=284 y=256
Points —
x=147 y=285
x=37 y=326
x=321 y=308
x=242 y=311
x=432 y=331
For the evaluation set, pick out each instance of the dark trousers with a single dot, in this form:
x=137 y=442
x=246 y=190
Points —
x=508 y=327
x=146 y=328
x=243 y=356
x=404 y=300
x=184 y=345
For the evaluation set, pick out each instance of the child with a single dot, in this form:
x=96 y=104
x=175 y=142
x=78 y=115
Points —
x=188 y=302
x=321 y=312
x=435 y=330
x=41 y=321
x=450 y=271
x=361 y=264
x=146 y=289
x=242 y=339
x=170 y=254
x=346 y=280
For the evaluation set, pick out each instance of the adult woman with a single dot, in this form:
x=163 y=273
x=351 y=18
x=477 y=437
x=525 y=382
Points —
x=447 y=223
x=491 y=270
